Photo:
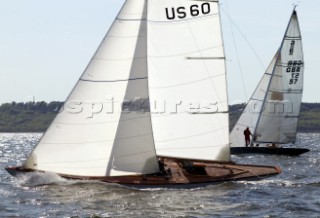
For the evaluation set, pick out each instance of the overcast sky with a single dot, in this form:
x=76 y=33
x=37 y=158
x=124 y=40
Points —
x=46 y=45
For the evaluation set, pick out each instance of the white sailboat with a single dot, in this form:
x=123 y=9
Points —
x=272 y=112
x=169 y=51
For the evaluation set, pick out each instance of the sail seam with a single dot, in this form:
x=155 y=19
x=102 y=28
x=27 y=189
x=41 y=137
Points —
x=292 y=91
x=292 y=37
x=118 y=59
x=256 y=99
x=286 y=91
x=273 y=75
x=205 y=58
x=220 y=112
x=187 y=53
x=285 y=65
x=274 y=115
x=107 y=81
x=126 y=19
x=125 y=37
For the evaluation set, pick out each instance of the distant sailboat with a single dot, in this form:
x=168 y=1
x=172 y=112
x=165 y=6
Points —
x=165 y=50
x=272 y=113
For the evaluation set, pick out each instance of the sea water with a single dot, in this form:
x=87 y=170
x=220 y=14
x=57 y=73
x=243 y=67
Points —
x=293 y=193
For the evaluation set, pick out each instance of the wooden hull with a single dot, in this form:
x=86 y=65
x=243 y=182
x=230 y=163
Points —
x=268 y=150
x=198 y=172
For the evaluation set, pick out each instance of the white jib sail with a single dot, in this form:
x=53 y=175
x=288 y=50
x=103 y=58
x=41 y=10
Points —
x=187 y=80
x=95 y=134
x=272 y=112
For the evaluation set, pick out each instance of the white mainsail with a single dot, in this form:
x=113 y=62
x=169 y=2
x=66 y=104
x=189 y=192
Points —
x=95 y=135
x=187 y=80
x=272 y=112
x=105 y=128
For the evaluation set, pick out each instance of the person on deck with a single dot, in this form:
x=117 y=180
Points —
x=247 y=134
x=162 y=166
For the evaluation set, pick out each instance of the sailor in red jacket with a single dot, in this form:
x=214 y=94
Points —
x=247 y=134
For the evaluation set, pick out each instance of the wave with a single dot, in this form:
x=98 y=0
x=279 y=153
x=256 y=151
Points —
x=38 y=179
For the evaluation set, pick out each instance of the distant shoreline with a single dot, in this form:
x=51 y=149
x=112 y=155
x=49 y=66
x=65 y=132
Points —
x=35 y=117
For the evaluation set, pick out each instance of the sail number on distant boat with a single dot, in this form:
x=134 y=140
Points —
x=183 y=12
x=294 y=66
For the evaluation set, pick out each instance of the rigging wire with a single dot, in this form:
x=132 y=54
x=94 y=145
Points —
x=245 y=38
x=233 y=24
x=237 y=54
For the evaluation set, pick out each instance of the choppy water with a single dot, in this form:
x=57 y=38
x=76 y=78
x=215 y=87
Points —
x=294 y=193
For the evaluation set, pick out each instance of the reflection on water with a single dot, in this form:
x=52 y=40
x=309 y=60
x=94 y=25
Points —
x=294 y=193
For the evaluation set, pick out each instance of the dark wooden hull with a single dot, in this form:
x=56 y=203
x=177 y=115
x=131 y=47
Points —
x=199 y=172
x=268 y=150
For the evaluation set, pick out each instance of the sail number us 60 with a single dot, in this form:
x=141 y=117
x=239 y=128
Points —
x=183 y=12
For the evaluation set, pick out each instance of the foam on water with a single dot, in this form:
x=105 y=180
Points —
x=276 y=182
x=38 y=179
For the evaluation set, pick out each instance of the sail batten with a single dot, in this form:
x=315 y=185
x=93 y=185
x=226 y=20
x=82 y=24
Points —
x=111 y=81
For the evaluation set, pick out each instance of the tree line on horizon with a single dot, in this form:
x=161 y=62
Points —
x=37 y=116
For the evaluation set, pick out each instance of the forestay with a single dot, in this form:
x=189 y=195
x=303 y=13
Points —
x=278 y=115
x=187 y=80
x=95 y=135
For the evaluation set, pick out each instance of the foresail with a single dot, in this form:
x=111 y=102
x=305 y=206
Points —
x=187 y=80
x=279 y=119
x=105 y=126
x=250 y=114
